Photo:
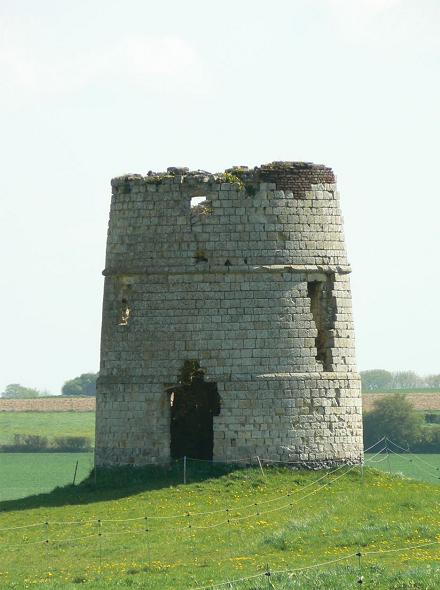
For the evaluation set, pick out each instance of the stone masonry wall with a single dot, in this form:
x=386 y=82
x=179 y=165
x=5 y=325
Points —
x=227 y=283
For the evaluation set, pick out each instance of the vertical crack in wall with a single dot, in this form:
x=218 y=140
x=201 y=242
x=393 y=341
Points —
x=323 y=308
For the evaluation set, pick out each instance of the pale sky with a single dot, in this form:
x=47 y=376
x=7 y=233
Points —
x=93 y=89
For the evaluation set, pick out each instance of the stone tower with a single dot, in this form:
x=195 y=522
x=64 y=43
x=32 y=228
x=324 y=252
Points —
x=227 y=328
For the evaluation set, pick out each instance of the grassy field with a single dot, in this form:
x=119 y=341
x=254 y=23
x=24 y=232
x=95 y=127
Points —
x=425 y=467
x=284 y=520
x=24 y=474
x=49 y=424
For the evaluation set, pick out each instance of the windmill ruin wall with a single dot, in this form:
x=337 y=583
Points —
x=240 y=305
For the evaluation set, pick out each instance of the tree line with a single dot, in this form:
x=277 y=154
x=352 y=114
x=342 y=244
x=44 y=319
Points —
x=382 y=380
x=372 y=380
x=395 y=417
x=84 y=385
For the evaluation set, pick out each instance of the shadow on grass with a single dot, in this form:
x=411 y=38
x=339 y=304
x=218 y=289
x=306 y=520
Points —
x=118 y=482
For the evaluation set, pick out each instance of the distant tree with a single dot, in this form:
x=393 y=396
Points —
x=395 y=417
x=376 y=380
x=433 y=380
x=16 y=391
x=406 y=380
x=85 y=384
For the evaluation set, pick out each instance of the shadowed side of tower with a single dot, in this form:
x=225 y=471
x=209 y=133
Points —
x=227 y=328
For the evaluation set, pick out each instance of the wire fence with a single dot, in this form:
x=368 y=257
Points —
x=357 y=557
x=226 y=508
x=226 y=521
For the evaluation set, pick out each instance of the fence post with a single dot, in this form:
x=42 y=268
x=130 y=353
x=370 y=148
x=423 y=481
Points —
x=147 y=530
x=360 y=579
x=388 y=455
x=46 y=543
x=95 y=470
x=74 y=475
x=99 y=525
x=184 y=469
x=261 y=467
x=268 y=574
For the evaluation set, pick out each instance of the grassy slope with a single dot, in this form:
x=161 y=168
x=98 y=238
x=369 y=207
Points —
x=23 y=474
x=328 y=520
x=49 y=424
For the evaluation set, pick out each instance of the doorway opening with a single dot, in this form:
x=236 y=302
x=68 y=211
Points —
x=194 y=403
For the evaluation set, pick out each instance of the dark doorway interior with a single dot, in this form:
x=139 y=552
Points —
x=194 y=403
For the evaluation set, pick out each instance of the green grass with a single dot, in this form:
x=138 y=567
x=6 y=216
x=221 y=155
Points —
x=24 y=474
x=49 y=424
x=422 y=466
x=326 y=516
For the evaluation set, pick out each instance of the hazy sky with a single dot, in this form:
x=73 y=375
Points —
x=93 y=89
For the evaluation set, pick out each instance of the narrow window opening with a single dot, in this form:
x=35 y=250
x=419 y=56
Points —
x=193 y=404
x=201 y=206
x=323 y=308
x=124 y=314
x=195 y=201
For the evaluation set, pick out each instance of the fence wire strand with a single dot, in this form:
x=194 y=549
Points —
x=292 y=571
x=223 y=509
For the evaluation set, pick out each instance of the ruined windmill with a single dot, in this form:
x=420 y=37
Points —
x=227 y=327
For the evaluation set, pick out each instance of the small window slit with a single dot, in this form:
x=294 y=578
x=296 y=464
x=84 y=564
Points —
x=124 y=314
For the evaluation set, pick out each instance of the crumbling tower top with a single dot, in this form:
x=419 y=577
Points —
x=242 y=218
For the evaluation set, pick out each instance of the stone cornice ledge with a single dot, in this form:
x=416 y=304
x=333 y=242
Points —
x=154 y=379
x=207 y=268
x=323 y=375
